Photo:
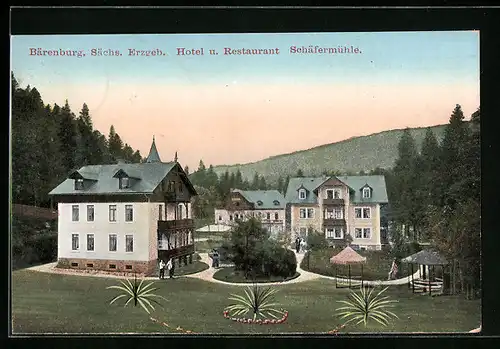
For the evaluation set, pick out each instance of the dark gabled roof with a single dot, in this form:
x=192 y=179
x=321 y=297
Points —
x=308 y=183
x=153 y=153
x=376 y=183
x=426 y=257
x=267 y=197
x=150 y=176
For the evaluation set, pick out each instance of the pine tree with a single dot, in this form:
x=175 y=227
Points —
x=255 y=182
x=262 y=183
x=280 y=185
x=238 y=181
x=115 y=144
x=186 y=169
x=68 y=135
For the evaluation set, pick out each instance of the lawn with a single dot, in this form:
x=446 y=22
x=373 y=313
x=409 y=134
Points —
x=52 y=303
x=229 y=274
x=377 y=266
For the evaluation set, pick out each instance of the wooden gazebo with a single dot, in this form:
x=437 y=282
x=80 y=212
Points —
x=427 y=260
x=347 y=257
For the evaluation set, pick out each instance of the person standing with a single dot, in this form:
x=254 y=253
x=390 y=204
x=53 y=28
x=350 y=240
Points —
x=171 y=268
x=216 y=259
x=297 y=244
x=162 y=269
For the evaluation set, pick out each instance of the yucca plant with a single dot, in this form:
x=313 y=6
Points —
x=365 y=306
x=259 y=301
x=138 y=292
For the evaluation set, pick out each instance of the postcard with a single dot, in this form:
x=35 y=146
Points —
x=252 y=183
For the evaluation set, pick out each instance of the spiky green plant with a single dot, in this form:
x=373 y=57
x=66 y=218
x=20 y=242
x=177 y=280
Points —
x=365 y=306
x=258 y=300
x=138 y=292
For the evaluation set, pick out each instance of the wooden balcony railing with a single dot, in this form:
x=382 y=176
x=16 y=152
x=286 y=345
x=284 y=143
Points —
x=175 y=224
x=333 y=202
x=176 y=252
x=334 y=222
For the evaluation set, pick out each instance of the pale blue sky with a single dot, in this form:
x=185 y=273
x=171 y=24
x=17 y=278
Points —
x=416 y=57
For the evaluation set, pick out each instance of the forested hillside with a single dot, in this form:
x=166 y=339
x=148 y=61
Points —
x=48 y=141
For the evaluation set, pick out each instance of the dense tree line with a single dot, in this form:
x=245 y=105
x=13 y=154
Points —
x=48 y=142
x=434 y=194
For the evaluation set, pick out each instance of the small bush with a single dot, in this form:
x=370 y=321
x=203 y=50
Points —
x=316 y=241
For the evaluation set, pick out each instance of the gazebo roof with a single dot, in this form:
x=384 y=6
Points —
x=426 y=257
x=347 y=256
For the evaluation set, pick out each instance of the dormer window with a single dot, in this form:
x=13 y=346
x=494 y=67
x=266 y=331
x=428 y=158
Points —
x=79 y=184
x=276 y=202
x=302 y=194
x=367 y=193
x=259 y=203
x=124 y=183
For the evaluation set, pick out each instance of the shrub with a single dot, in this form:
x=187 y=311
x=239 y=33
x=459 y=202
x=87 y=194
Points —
x=316 y=241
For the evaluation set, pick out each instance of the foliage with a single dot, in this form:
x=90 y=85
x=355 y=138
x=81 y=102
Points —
x=138 y=292
x=257 y=300
x=365 y=306
x=316 y=241
x=229 y=274
x=49 y=141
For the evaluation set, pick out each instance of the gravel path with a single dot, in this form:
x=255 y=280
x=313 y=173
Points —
x=208 y=274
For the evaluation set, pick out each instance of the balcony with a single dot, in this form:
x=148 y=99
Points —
x=271 y=221
x=174 y=252
x=332 y=222
x=333 y=202
x=175 y=224
x=170 y=196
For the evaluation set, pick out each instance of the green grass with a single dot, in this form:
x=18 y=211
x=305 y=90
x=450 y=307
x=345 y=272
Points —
x=52 y=303
x=192 y=268
x=376 y=267
x=229 y=274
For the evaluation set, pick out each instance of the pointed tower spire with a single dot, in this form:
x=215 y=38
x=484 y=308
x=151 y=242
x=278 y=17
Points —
x=175 y=158
x=153 y=153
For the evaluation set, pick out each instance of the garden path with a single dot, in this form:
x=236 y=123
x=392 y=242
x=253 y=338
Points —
x=208 y=274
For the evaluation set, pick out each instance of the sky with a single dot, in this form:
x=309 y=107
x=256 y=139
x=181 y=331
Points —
x=228 y=109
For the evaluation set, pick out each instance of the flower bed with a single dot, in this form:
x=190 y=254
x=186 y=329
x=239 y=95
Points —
x=257 y=321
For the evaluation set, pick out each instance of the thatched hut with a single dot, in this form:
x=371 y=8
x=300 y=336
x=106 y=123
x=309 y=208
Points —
x=426 y=260
x=348 y=257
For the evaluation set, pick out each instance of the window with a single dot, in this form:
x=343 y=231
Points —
x=276 y=216
x=112 y=242
x=310 y=213
x=338 y=233
x=90 y=213
x=128 y=267
x=75 y=242
x=259 y=203
x=181 y=187
x=302 y=194
x=129 y=243
x=79 y=184
x=362 y=212
x=75 y=213
x=179 y=212
x=367 y=233
x=337 y=194
x=124 y=183
x=112 y=213
x=329 y=193
x=171 y=186
x=90 y=265
x=90 y=242
x=358 y=233
x=129 y=213
x=362 y=233
x=306 y=213
x=329 y=233
x=366 y=212
x=74 y=264
x=230 y=217
x=366 y=193
x=220 y=218
x=268 y=216
x=237 y=203
x=338 y=214
x=160 y=212
x=112 y=266
x=276 y=202
x=235 y=216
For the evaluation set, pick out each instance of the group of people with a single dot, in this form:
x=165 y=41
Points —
x=300 y=244
x=169 y=266
x=215 y=258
